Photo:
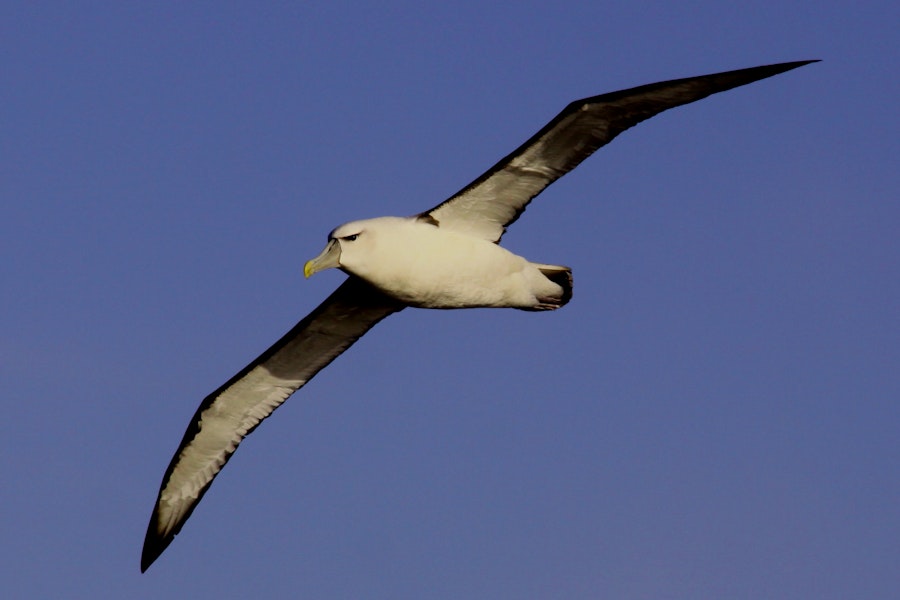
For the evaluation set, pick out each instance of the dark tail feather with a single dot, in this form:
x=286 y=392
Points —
x=561 y=276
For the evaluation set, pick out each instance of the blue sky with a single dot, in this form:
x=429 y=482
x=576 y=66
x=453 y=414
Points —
x=714 y=415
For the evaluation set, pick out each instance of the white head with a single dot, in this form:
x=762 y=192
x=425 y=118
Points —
x=351 y=245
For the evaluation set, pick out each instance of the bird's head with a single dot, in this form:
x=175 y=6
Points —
x=353 y=246
x=341 y=243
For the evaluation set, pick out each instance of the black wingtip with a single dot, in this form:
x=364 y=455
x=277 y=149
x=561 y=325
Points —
x=154 y=544
x=776 y=69
x=795 y=64
x=152 y=550
x=748 y=75
x=765 y=71
x=146 y=561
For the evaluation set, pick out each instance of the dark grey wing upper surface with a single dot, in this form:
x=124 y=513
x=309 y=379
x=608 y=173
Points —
x=489 y=204
x=230 y=413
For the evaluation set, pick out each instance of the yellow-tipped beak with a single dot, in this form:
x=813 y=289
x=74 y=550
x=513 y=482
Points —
x=330 y=257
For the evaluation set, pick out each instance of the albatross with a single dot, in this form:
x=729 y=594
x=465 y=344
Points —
x=446 y=257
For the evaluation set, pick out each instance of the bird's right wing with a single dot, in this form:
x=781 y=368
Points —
x=230 y=413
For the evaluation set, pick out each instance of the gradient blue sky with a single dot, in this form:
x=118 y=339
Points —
x=714 y=415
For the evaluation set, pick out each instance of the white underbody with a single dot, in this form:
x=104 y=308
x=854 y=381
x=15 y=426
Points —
x=429 y=267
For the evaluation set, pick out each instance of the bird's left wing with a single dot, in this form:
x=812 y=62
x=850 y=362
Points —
x=485 y=207
x=230 y=413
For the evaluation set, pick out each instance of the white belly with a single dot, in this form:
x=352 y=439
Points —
x=433 y=268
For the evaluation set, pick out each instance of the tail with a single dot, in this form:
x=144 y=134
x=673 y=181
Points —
x=561 y=276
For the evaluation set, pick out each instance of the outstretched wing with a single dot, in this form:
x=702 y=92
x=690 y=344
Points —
x=230 y=413
x=489 y=204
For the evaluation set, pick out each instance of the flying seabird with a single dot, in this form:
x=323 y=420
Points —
x=446 y=257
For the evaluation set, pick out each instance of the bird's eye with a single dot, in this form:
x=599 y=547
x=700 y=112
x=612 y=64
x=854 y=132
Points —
x=350 y=238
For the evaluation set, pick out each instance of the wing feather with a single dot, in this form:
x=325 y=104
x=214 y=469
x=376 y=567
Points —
x=488 y=205
x=234 y=410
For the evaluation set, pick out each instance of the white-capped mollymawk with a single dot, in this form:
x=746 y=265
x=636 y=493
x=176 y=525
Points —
x=446 y=257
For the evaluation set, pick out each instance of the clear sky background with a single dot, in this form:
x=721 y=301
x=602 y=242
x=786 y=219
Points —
x=714 y=415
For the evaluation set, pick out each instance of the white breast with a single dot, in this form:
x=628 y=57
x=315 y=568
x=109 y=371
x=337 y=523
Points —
x=429 y=267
